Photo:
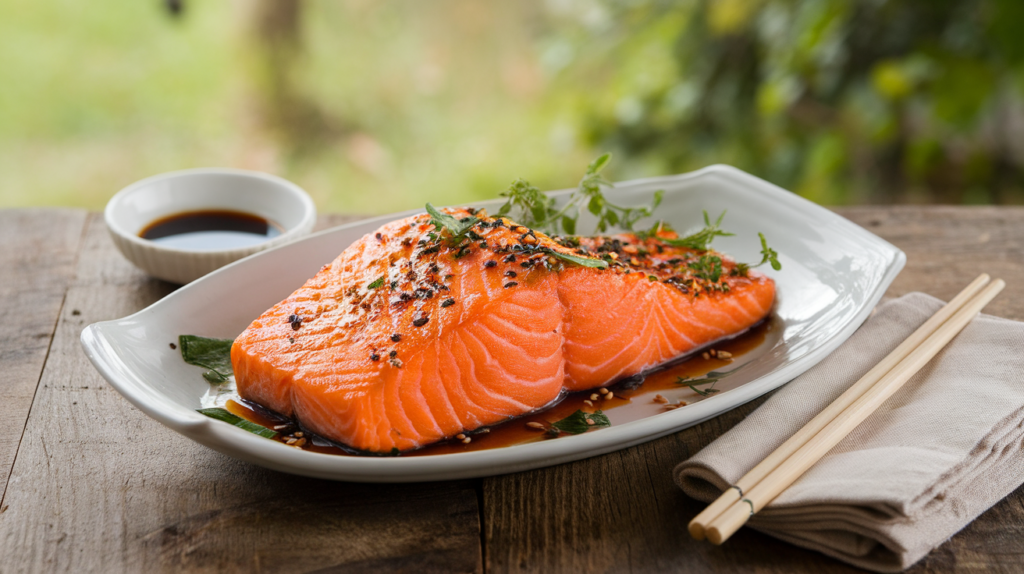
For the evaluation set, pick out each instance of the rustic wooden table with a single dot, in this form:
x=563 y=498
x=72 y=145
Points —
x=90 y=484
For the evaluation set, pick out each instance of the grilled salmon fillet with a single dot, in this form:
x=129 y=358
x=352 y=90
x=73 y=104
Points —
x=408 y=338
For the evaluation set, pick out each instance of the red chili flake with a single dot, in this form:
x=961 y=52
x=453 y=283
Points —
x=511 y=284
x=491 y=263
x=421 y=321
x=396 y=337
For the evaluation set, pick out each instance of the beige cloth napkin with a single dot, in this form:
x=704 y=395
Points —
x=937 y=454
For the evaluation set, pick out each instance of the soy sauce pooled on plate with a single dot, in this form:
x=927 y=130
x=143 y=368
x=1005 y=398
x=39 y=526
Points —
x=210 y=230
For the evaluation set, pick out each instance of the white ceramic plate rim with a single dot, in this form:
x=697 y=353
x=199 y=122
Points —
x=240 y=444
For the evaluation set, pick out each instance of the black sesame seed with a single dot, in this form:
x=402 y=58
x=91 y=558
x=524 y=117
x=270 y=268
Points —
x=448 y=303
x=420 y=322
x=483 y=245
x=393 y=354
x=510 y=259
x=511 y=284
x=490 y=263
x=527 y=264
x=434 y=268
x=510 y=274
x=379 y=236
x=374 y=357
x=296 y=322
x=396 y=337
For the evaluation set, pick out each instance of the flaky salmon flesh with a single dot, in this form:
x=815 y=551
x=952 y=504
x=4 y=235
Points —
x=407 y=339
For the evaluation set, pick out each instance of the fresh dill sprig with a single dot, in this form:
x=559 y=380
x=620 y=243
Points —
x=457 y=229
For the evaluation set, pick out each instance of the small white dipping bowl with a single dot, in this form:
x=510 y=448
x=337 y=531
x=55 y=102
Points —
x=144 y=202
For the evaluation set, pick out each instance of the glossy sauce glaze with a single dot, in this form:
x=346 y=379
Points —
x=210 y=230
x=661 y=390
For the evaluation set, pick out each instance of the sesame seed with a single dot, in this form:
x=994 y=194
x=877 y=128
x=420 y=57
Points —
x=467 y=440
x=713 y=352
x=491 y=263
x=610 y=395
x=682 y=404
x=535 y=426
x=374 y=357
x=705 y=355
x=279 y=427
x=291 y=441
x=590 y=421
x=510 y=259
x=396 y=337
x=420 y=322
x=593 y=397
x=660 y=399
x=603 y=391
x=724 y=355
x=448 y=302
x=511 y=284
x=300 y=443
x=460 y=436
x=510 y=274
x=588 y=403
x=671 y=407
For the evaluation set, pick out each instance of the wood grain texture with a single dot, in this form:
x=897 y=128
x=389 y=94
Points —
x=99 y=487
x=622 y=512
x=37 y=264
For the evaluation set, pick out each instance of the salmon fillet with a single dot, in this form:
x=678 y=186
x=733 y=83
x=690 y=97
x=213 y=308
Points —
x=406 y=339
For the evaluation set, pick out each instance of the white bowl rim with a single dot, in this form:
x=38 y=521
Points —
x=292 y=189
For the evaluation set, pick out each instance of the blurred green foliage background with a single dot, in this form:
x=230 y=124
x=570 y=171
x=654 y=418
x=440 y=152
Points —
x=380 y=106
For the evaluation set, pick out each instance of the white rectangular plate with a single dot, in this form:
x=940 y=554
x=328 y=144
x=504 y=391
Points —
x=833 y=274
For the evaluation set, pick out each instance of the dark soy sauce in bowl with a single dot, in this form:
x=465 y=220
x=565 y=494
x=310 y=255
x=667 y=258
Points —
x=210 y=230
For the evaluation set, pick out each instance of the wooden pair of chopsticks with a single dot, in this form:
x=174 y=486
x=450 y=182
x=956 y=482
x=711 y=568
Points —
x=781 y=468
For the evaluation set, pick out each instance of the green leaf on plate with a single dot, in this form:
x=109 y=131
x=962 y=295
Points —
x=576 y=423
x=214 y=354
x=232 y=419
x=581 y=261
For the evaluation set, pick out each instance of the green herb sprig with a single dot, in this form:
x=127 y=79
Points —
x=576 y=260
x=702 y=239
x=214 y=354
x=537 y=210
x=576 y=423
x=457 y=230
x=711 y=378
x=233 y=419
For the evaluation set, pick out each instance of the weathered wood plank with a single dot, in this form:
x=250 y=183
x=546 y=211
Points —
x=99 y=487
x=622 y=512
x=37 y=260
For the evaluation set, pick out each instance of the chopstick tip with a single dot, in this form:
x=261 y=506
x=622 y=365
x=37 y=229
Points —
x=696 y=530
